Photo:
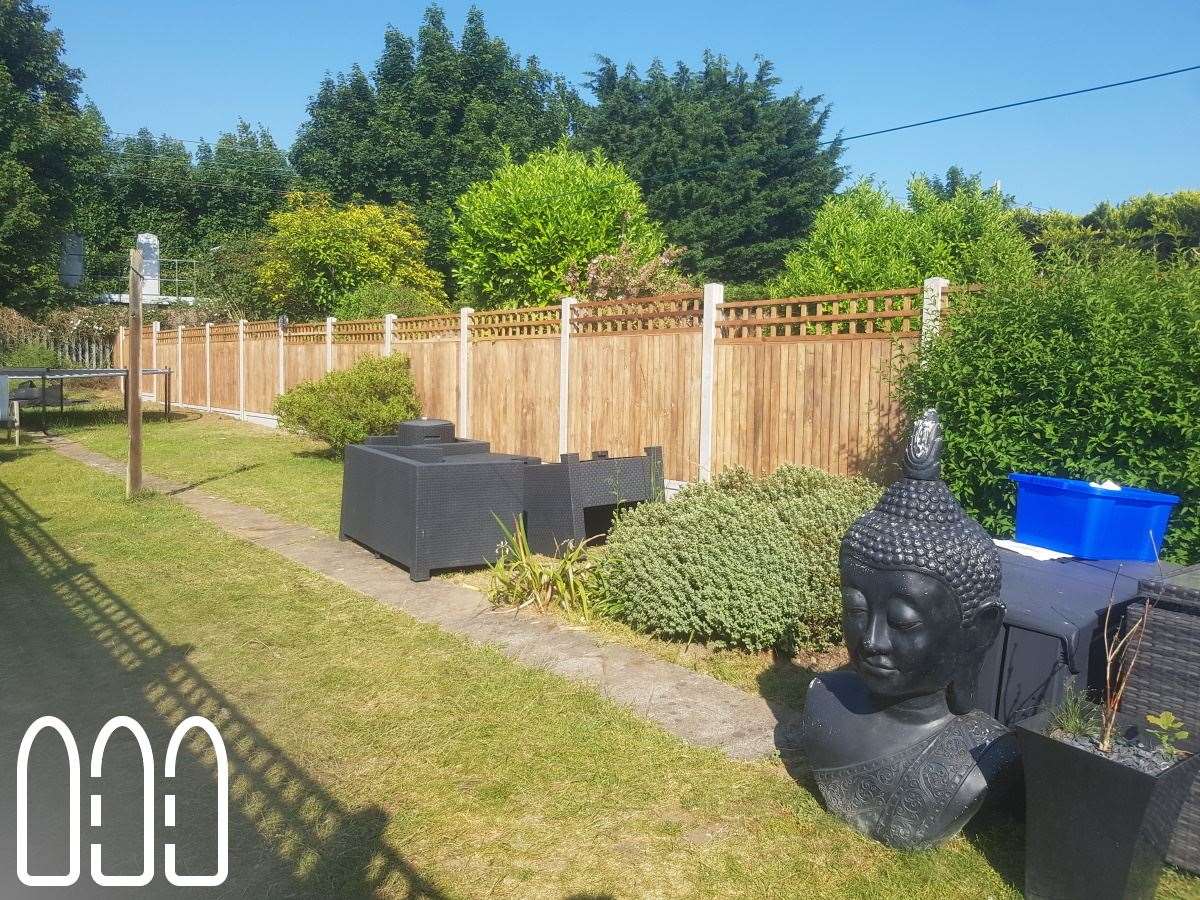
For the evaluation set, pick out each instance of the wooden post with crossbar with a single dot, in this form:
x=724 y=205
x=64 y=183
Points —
x=133 y=382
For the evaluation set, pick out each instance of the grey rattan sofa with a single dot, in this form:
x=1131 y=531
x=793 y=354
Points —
x=573 y=499
x=427 y=500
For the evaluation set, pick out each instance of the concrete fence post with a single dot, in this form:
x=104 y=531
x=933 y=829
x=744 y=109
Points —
x=280 y=359
x=154 y=329
x=122 y=357
x=932 y=295
x=714 y=296
x=464 y=371
x=178 y=379
x=242 y=369
x=564 y=374
x=208 y=366
x=329 y=321
x=389 y=323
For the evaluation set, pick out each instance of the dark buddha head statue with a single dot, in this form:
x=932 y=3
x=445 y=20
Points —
x=920 y=585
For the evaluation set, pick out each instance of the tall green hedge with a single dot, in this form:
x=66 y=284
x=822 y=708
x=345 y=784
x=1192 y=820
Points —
x=1090 y=371
x=738 y=562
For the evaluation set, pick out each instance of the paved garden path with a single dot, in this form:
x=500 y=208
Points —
x=693 y=706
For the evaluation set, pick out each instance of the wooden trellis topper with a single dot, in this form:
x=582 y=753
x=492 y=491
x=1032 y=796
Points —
x=821 y=317
x=425 y=328
x=664 y=313
x=358 y=331
x=502 y=324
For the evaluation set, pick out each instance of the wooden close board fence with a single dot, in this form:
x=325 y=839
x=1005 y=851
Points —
x=799 y=380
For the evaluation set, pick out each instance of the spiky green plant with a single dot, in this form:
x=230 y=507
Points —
x=1076 y=715
x=520 y=577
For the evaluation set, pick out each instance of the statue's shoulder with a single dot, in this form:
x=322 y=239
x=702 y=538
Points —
x=840 y=691
x=832 y=710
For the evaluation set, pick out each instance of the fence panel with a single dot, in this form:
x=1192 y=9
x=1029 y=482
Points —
x=633 y=390
x=514 y=395
x=262 y=366
x=192 y=376
x=224 y=349
x=802 y=379
x=434 y=365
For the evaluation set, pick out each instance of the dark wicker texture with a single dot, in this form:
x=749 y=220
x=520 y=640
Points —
x=574 y=499
x=1167 y=677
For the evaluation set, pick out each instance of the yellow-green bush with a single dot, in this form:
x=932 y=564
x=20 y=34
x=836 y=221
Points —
x=316 y=252
x=740 y=562
x=344 y=407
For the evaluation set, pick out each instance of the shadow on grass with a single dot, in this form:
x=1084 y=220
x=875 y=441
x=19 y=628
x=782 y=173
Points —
x=95 y=414
x=995 y=831
x=73 y=648
x=248 y=467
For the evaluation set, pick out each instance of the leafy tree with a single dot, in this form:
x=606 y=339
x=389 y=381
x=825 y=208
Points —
x=240 y=180
x=316 y=252
x=45 y=139
x=1163 y=224
x=734 y=171
x=1091 y=371
x=864 y=240
x=433 y=118
x=955 y=180
x=208 y=207
x=519 y=234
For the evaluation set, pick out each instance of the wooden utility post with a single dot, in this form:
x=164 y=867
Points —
x=133 y=382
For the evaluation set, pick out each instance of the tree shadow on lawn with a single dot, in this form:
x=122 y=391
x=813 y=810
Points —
x=71 y=647
x=995 y=831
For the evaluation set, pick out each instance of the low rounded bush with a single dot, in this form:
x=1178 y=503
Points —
x=344 y=407
x=740 y=562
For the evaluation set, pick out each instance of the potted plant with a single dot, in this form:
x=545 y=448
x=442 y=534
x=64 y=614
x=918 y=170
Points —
x=1103 y=791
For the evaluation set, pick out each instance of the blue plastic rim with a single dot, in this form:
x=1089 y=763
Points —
x=1074 y=517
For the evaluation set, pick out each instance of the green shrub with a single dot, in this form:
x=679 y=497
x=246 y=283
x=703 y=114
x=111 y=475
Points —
x=315 y=252
x=863 y=240
x=1091 y=371
x=740 y=562
x=344 y=407
x=519 y=234
x=374 y=299
x=32 y=356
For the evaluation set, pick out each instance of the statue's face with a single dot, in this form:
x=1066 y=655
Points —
x=903 y=630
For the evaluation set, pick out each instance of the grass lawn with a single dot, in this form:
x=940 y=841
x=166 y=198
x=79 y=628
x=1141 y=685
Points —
x=377 y=756
x=295 y=479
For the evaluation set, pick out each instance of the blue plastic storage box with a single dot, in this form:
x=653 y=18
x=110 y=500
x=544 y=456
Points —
x=1091 y=522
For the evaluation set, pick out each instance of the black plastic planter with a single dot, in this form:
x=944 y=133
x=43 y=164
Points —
x=1094 y=828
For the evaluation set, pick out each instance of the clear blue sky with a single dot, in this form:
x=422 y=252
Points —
x=190 y=69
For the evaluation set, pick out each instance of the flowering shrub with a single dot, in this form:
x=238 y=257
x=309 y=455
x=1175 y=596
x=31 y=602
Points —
x=621 y=274
x=741 y=561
